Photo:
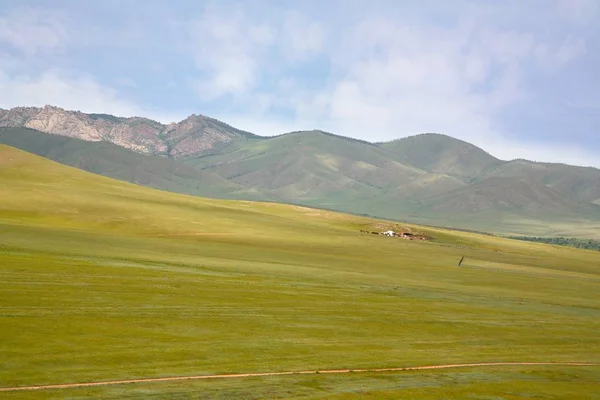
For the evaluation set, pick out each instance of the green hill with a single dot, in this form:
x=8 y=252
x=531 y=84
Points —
x=116 y=162
x=105 y=280
x=443 y=155
x=502 y=193
x=513 y=205
x=429 y=178
x=576 y=183
x=313 y=167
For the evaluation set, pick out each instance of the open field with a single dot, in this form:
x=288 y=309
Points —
x=103 y=280
x=292 y=373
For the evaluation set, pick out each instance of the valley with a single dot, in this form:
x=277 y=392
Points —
x=104 y=280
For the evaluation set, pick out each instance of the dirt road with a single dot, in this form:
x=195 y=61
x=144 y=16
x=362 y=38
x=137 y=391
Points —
x=258 y=374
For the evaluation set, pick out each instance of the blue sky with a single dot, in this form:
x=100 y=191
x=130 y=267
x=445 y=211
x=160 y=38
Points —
x=518 y=78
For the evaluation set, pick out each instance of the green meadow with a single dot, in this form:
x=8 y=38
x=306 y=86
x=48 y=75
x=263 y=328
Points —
x=105 y=280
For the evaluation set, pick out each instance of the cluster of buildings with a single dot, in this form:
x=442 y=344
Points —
x=403 y=235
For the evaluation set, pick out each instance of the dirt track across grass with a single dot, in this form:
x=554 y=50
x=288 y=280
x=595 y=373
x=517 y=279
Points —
x=258 y=374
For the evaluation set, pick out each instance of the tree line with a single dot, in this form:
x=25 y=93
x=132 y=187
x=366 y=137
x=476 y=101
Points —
x=562 y=241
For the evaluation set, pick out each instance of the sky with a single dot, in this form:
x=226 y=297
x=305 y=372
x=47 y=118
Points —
x=519 y=78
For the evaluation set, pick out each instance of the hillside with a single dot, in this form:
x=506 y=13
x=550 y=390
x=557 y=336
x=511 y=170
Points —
x=502 y=193
x=38 y=191
x=428 y=178
x=577 y=183
x=105 y=280
x=432 y=179
x=110 y=160
x=443 y=155
x=310 y=167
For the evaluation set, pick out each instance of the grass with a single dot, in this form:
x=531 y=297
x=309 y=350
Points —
x=513 y=383
x=116 y=162
x=103 y=280
x=386 y=180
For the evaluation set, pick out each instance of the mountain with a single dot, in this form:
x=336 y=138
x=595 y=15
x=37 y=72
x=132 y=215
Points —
x=505 y=193
x=428 y=178
x=576 y=183
x=313 y=166
x=443 y=155
x=110 y=160
x=190 y=137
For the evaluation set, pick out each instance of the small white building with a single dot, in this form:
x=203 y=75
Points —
x=389 y=233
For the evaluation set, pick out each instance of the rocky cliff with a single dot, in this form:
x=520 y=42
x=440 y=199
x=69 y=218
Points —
x=193 y=136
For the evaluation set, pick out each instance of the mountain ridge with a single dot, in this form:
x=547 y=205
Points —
x=190 y=137
x=429 y=177
x=14 y=117
x=116 y=162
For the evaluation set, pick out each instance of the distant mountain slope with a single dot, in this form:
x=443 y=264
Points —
x=313 y=166
x=443 y=155
x=505 y=193
x=190 y=137
x=576 y=183
x=116 y=162
x=428 y=178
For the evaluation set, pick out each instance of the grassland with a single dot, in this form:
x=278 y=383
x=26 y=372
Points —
x=429 y=179
x=104 y=280
x=116 y=162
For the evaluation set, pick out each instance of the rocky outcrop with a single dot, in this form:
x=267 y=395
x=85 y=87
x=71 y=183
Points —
x=193 y=136
x=17 y=116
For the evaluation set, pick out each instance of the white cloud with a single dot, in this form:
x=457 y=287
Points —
x=301 y=37
x=228 y=48
x=396 y=77
x=476 y=67
x=235 y=54
x=419 y=80
x=31 y=31
x=37 y=35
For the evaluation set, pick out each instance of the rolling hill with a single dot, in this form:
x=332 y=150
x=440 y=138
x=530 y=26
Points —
x=443 y=155
x=428 y=178
x=110 y=160
x=581 y=184
x=106 y=280
x=310 y=167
